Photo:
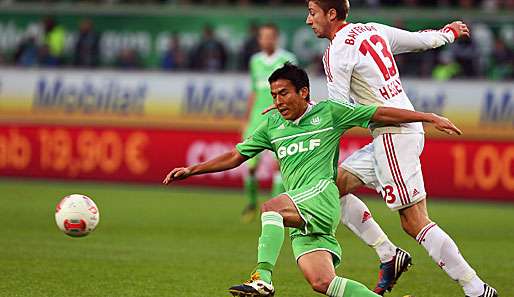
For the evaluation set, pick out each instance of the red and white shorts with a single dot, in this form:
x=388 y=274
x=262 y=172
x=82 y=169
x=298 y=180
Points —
x=390 y=165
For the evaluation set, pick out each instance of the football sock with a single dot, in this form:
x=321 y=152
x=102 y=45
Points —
x=356 y=216
x=445 y=253
x=278 y=186
x=343 y=287
x=270 y=243
x=251 y=189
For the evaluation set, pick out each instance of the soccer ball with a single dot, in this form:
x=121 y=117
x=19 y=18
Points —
x=77 y=215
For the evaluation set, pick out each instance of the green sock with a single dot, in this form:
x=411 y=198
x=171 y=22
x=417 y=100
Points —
x=270 y=243
x=278 y=185
x=251 y=189
x=343 y=287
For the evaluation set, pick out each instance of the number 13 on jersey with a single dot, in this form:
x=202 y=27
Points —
x=381 y=60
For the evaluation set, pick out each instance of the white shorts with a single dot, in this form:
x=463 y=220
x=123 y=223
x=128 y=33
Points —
x=390 y=165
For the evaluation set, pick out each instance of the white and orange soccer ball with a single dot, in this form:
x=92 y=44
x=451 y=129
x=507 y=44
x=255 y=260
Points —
x=77 y=215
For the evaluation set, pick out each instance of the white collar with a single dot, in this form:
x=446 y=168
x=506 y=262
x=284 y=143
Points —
x=310 y=104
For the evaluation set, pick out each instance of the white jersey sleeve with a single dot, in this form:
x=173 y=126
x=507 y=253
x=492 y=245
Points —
x=402 y=41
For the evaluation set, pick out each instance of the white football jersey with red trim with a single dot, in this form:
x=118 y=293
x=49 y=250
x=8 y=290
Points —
x=360 y=67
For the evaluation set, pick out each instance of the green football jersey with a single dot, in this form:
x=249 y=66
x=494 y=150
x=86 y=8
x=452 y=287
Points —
x=307 y=149
x=261 y=67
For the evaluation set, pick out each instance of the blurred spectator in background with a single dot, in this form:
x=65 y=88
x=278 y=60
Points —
x=87 y=47
x=490 y=5
x=465 y=53
x=446 y=67
x=502 y=61
x=46 y=59
x=415 y=64
x=53 y=49
x=315 y=66
x=27 y=53
x=467 y=4
x=486 y=4
x=128 y=59
x=173 y=58
x=209 y=54
x=485 y=55
x=250 y=46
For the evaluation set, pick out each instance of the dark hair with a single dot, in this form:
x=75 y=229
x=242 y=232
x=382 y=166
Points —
x=296 y=75
x=270 y=26
x=342 y=7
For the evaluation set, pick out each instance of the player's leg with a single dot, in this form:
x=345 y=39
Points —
x=318 y=269
x=357 y=170
x=443 y=250
x=277 y=213
x=403 y=189
x=251 y=189
x=311 y=209
x=357 y=217
x=315 y=248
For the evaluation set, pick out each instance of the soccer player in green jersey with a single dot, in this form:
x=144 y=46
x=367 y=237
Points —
x=262 y=64
x=305 y=139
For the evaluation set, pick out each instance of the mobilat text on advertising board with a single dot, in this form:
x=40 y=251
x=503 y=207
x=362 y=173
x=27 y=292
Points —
x=123 y=126
x=483 y=110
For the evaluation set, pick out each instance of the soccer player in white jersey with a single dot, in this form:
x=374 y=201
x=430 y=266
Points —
x=359 y=66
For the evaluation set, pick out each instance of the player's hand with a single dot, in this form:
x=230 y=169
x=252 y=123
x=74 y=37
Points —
x=269 y=108
x=177 y=174
x=445 y=125
x=461 y=29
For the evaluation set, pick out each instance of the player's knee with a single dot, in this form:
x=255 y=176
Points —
x=270 y=205
x=413 y=226
x=414 y=218
x=407 y=228
x=347 y=182
x=265 y=207
x=320 y=284
x=342 y=184
x=342 y=189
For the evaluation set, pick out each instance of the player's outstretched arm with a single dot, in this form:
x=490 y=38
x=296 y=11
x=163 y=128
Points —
x=403 y=41
x=223 y=162
x=390 y=115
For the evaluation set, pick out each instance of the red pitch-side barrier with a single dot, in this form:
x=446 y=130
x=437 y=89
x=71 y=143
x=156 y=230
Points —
x=452 y=168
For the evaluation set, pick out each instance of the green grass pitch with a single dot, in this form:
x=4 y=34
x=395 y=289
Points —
x=177 y=241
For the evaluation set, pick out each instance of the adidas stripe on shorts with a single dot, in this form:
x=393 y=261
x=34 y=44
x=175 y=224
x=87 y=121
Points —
x=390 y=164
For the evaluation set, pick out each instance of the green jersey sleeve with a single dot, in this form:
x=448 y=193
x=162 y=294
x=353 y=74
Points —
x=255 y=143
x=347 y=115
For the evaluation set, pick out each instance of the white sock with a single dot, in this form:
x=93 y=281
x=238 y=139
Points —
x=445 y=253
x=356 y=216
x=336 y=287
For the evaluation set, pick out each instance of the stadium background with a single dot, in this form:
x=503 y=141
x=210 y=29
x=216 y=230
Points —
x=103 y=97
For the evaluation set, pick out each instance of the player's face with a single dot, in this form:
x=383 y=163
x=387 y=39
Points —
x=268 y=39
x=290 y=103
x=318 y=20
